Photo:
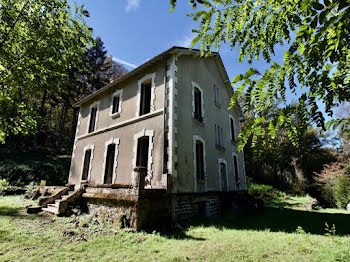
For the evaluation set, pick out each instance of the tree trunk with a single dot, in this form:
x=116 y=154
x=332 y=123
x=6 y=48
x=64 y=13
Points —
x=62 y=124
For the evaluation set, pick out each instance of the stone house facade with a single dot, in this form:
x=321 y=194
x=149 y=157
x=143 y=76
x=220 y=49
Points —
x=170 y=116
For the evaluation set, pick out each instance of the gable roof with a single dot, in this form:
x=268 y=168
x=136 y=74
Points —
x=164 y=57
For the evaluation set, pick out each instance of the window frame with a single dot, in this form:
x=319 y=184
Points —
x=115 y=141
x=233 y=135
x=194 y=87
x=223 y=161
x=196 y=181
x=119 y=93
x=146 y=77
x=236 y=177
x=86 y=148
x=96 y=105
x=216 y=96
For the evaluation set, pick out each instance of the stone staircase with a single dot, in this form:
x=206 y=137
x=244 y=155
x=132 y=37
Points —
x=54 y=208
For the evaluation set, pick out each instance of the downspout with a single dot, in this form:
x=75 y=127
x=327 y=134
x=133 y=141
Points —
x=165 y=135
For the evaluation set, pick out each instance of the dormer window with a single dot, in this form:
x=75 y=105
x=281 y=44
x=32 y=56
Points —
x=93 y=117
x=197 y=102
x=116 y=103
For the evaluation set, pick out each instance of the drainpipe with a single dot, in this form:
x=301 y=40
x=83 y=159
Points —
x=165 y=135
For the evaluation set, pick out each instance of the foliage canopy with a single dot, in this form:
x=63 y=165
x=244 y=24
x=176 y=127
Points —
x=40 y=42
x=315 y=67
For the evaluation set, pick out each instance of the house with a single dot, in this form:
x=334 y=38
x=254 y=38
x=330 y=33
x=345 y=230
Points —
x=159 y=142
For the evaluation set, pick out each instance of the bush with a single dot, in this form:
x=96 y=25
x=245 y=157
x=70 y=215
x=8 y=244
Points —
x=334 y=185
x=341 y=191
x=21 y=169
x=255 y=189
x=4 y=185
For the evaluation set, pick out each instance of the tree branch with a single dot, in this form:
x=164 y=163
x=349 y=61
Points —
x=14 y=24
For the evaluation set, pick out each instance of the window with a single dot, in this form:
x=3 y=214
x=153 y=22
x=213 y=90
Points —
x=223 y=176
x=199 y=164
x=235 y=168
x=146 y=94
x=116 y=102
x=219 y=139
x=216 y=95
x=86 y=165
x=145 y=102
x=93 y=118
x=199 y=160
x=197 y=102
x=109 y=166
x=142 y=151
x=232 y=128
x=198 y=105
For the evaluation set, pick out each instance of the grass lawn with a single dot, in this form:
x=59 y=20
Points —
x=267 y=237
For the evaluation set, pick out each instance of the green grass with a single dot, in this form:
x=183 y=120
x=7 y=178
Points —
x=268 y=237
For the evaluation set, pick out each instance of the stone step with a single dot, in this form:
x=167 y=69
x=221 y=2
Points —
x=51 y=209
x=53 y=205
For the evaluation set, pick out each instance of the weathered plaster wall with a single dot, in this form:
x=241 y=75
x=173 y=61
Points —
x=129 y=104
x=206 y=74
x=125 y=134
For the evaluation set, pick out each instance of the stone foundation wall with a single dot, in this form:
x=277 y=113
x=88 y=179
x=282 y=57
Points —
x=185 y=207
x=155 y=208
x=122 y=213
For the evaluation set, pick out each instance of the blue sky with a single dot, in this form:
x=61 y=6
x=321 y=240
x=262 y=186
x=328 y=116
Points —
x=136 y=30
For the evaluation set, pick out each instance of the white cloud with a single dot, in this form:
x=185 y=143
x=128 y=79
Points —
x=132 y=5
x=120 y=61
x=186 y=41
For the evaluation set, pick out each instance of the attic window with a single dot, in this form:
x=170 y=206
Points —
x=145 y=102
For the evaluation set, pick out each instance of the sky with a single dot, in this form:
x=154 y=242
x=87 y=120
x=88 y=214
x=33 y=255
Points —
x=135 y=31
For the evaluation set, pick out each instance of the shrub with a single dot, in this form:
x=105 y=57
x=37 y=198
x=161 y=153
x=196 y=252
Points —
x=21 y=169
x=341 y=191
x=334 y=185
x=4 y=185
x=256 y=189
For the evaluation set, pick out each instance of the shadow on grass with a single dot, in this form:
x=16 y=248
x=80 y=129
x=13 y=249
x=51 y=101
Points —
x=9 y=211
x=275 y=220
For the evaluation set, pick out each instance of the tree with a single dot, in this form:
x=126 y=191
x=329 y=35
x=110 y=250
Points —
x=82 y=81
x=316 y=62
x=42 y=41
